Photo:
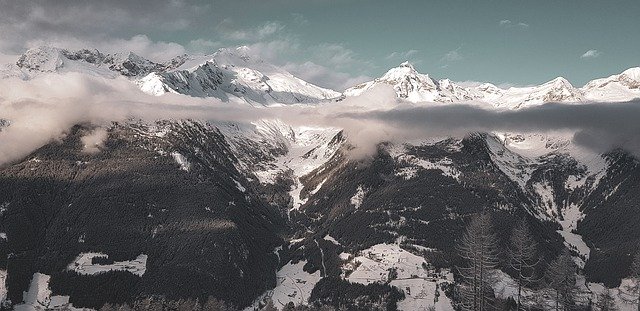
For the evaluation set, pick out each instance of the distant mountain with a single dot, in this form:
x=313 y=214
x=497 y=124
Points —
x=618 y=87
x=228 y=74
x=416 y=87
x=50 y=59
x=557 y=90
x=235 y=75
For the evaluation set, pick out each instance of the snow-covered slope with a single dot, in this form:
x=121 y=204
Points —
x=620 y=87
x=416 y=87
x=46 y=59
x=232 y=73
x=271 y=149
x=236 y=75
x=228 y=74
x=556 y=90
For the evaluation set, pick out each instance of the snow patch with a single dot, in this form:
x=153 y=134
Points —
x=574 y=242
x=181 y=160
x=3 y=288
x=419 y=282
x=356 y=199
x=293 y=285
x=239 y=186
x=83 y=265
x=621 y=295
x=38 y=297
x=331 y=239
x=414 y=164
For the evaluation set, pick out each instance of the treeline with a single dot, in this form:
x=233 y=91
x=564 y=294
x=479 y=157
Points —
x=342 y=294
x=557 y=286
x=161 y=304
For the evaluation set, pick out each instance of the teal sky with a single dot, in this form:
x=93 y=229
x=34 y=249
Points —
x=557 y=35
x=337 y=43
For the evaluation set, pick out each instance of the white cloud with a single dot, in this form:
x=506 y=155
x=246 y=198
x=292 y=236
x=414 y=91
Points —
x=324 y=76
x=453 y=56
x=264 y=31
x=401 y=55
x=299 y=19
x=204 y=46
x=274 y=51
x=29 y=20
x=269 y=28
x=8 y=58
x=335 y=54
x=138 y=44
x=94 y=141
x=591 y=54
x=506 y=23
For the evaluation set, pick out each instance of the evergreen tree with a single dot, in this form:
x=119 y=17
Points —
x=269 y=306
x=479 y=251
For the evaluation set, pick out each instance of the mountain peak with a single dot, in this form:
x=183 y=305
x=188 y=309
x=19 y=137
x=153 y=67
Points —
x=403 y=72
x=242 y=53
x=43 y=58
x=632 y=73
x=560 y=82
x=415 y=87
x=407 y=64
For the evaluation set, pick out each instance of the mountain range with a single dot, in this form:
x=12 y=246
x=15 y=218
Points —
x=234 y=75
x=268 y=211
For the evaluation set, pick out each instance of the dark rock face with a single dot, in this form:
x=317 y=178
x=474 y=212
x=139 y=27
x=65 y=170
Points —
x=203 y=234
x=611 y=223
x=185 y=194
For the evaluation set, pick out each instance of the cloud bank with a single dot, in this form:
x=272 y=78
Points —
x=45 y=108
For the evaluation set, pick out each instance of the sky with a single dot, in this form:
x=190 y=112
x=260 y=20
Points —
x=338 y=44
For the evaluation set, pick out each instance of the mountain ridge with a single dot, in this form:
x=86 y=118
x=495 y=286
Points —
x=416 y=87
x=233 y=74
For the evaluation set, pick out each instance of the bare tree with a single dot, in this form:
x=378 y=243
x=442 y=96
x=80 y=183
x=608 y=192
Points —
x=523 y=257
x=478 y=249
x=606 y=302
x=631 y=292
x=561 y=278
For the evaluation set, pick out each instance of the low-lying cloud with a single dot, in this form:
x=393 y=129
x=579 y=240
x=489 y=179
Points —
x=45 y=108
x=598 y=126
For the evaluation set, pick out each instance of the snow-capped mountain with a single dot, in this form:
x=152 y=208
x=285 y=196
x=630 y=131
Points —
x=230 y=73
x=556 y=90
x=416 y=87
x=235 y=75
x=620 y=87
x=55 y=60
